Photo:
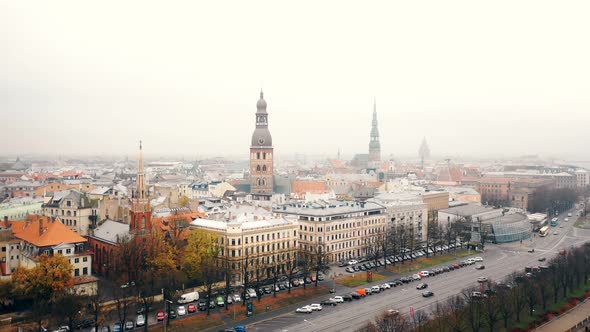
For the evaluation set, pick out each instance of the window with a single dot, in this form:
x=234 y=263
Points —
x=85 y=259
x=3 y=249
x=143 y=222
x=68 y=251
x=76 y=272
x=68 y=203
x=85 y=271
x=60 y=252
x=76 y=260
x=233 y=242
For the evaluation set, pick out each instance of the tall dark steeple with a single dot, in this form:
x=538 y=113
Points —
x=374 y=144
x=261 y=155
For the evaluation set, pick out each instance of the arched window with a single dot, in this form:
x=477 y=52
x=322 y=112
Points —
x=259 y=182
x=264 y=155
x=264 y=168
x=257 y=168
x=257 y=155
x=69 y=213
x=264 y=182
x=143 y=222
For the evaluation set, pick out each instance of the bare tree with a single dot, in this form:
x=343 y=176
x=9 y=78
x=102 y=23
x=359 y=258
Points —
x=491 y=307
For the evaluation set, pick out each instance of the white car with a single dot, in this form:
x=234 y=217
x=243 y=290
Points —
x=237 y=298
x=316 y=307
x=566 y=219
x=140 y=321
x=181 y=310
x=306 y=310
x=352 y=262
x=425 y=273
x=478 y=259
x=385 y=286
x=416 y=277
x=251 y=292
x=338 y=299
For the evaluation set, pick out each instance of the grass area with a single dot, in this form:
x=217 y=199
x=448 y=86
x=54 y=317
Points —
x=282 y=300
x=423 y=262
x=583 y=222
x=359 y=278
x=197 y=322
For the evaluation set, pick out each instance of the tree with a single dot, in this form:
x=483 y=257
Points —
x=68 y=306
x=387 y=322
x=183 y=201
x=491 y=307
x=44 y=283
x=94 y=306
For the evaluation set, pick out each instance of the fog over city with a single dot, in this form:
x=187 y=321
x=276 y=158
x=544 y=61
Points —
x=501 y=78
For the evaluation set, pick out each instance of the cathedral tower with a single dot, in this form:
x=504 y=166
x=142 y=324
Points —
x=261 y=155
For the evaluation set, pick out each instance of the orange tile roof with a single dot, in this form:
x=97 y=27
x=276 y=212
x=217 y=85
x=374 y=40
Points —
x=336 y=163
x=54 y=232
x=302 y=187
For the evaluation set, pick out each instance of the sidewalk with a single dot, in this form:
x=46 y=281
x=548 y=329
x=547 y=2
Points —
x=568 y=320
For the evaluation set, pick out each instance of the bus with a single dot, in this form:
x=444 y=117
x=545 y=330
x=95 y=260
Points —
x=554 y=222
x=544 y=231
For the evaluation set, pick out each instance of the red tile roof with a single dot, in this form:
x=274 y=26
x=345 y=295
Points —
x=53 y=232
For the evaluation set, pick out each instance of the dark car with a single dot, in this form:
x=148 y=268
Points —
x=212 y=304
x=451 y=267
x=329 y=302
x=86 y=323
x=202 y=305
x=282 y=287
x=342 y=264
x=405 y=280
x=267 y=290
x=427 y=294
x=542 y=259
x=321 y=277
x=480 y=267
x=422 y=286
x=355 y=295
x=172 y=314
x=347 y=297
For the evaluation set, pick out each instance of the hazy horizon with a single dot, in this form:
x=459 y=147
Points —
x=476 y=79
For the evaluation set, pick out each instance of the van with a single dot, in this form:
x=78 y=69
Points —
x=189 y=297
x=361 y=292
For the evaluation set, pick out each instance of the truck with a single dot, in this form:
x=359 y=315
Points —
x=189 y=297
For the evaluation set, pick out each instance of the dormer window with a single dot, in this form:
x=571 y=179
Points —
x=68 y=203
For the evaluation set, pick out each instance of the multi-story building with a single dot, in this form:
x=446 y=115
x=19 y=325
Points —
x=565 y=180
x=73 y=208
x=342 y=229
x=43 y=235
x=410 y=214
x=253 y=236
x=582 y=178
x=494 y=190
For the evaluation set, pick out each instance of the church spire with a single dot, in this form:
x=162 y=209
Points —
x=141 y=202
x=374 y=144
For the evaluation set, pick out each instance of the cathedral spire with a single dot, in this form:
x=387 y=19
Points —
x=374 y=144
x=141 y=201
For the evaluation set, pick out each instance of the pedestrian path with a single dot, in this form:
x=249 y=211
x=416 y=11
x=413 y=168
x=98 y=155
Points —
x=568 y=320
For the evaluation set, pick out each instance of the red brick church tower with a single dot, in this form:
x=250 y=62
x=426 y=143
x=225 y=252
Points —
x=141 y=213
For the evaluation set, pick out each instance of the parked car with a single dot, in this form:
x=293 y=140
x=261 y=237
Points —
x=172 y=314
x=64 y=328
x=385 y=286
x=347 y=298
x=117 y=327
x=478 y=295
x=140 y=320
x=416 y=277
x=480 y=267
x=191 y=308
x=181 y=310
x=478 y=259
x=427 y=294
x=424 y=274
x=422 y=286
x=337 y=299
x=129 y=325
x=306 y=310
x=352 y=262
x=316 y=307
x=331 y=302
x=160 y=316
x=141 y=310
x=376 y=289
x=482 y=279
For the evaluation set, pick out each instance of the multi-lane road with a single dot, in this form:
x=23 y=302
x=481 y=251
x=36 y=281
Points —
x=499 y=261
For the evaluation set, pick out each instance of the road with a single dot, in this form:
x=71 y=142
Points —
x=499 y=260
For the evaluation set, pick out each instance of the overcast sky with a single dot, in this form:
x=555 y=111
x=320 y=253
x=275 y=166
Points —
x=476 y=78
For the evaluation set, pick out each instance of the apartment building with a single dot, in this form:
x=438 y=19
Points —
x=252 y=240
x=342 y=229
x=73 y=208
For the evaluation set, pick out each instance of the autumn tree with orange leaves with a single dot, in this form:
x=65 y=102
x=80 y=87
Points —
x=44 y=283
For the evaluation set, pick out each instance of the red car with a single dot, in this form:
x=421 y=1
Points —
x=160 y=316
x=456 y=266
x=192 y=308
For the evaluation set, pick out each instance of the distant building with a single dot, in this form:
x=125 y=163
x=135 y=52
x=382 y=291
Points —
x=423 y=152
x=582 y=179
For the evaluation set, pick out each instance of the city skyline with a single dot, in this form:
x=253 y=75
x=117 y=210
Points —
x=490 y=90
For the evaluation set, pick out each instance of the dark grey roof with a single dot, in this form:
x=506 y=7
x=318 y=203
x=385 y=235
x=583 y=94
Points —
x=261 y=138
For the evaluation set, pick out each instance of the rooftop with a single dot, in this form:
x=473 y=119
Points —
x=467 y=210
x=327 y=207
